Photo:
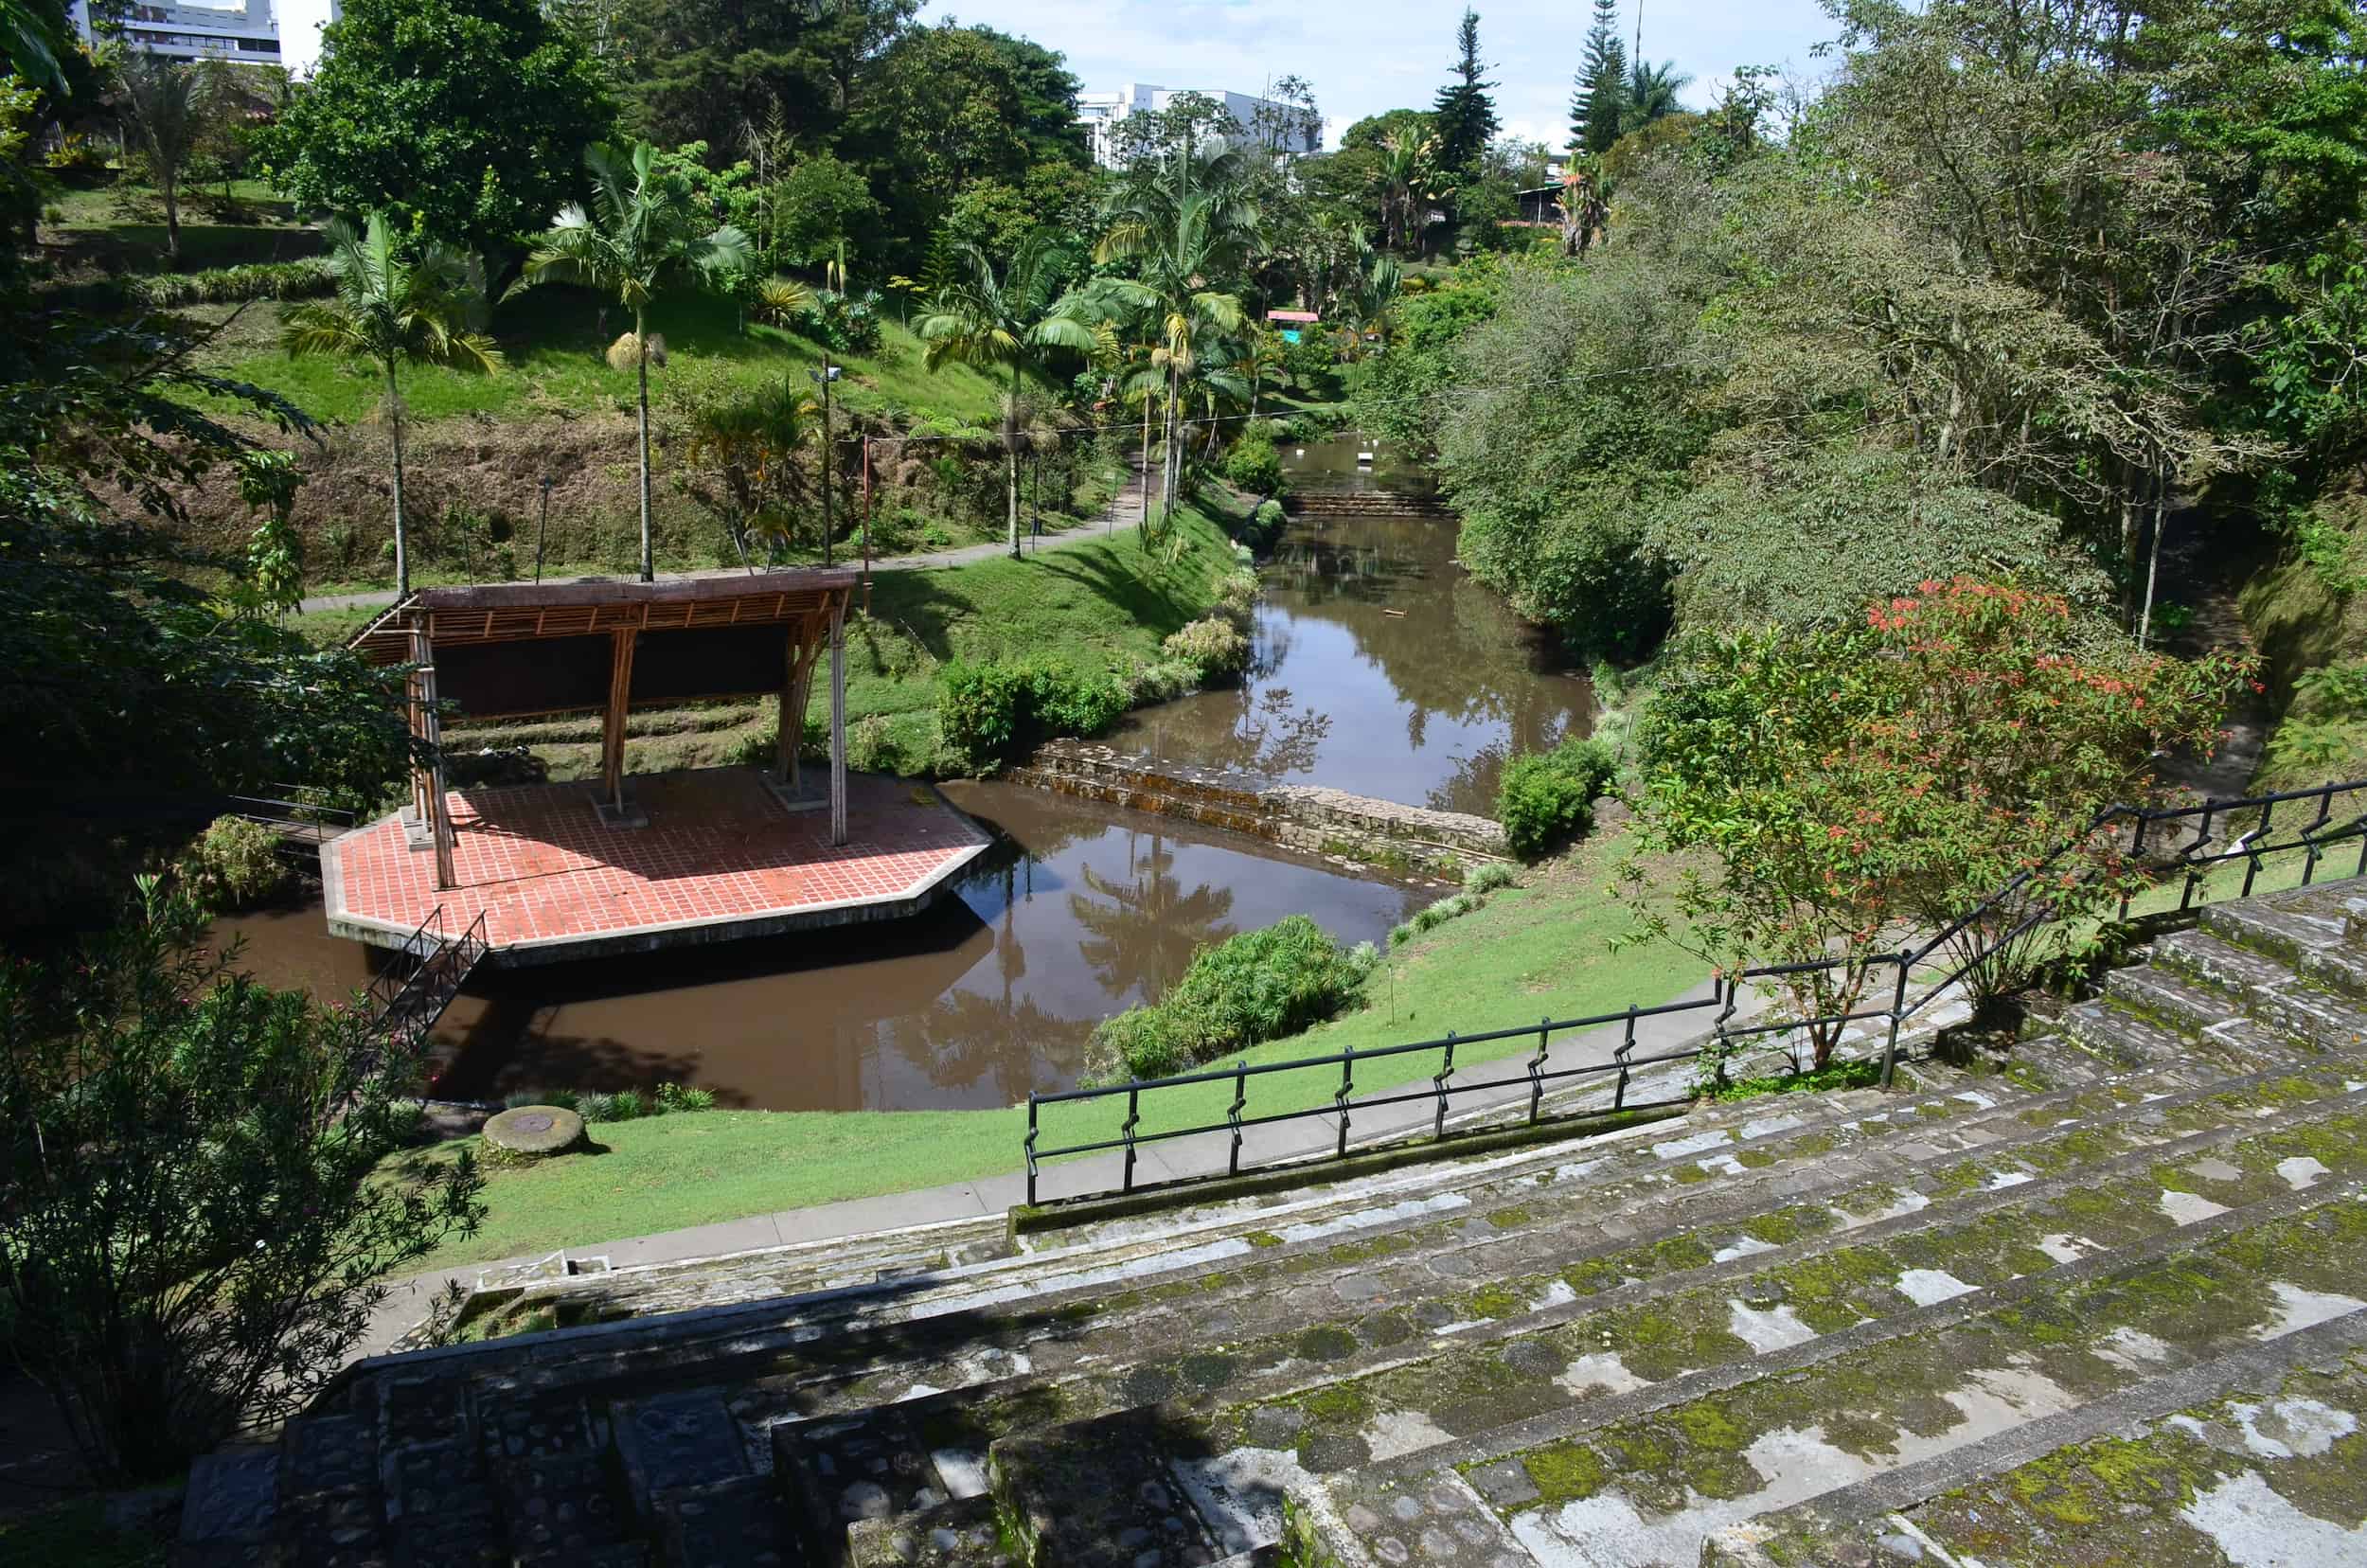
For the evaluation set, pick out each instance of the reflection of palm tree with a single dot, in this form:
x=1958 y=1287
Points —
x=966 y=1037
x=1150 y=928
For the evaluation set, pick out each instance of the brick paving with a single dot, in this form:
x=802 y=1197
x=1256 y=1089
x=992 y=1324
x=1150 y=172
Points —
x=718 y=847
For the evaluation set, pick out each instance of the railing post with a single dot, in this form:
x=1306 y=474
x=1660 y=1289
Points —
x=1898 y=1006
x=1030 y=1147
x=2251 y=856
x=1537 y=1071
x=2310 y=836
x=1438 y=1087
x=1233 y=1116
x=2136 y=852
x=1340 y=1100
x=1626 y=1048
x=1133 y=1114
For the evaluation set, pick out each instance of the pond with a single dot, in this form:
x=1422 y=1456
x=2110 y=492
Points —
x=1381 y=666
x=1078 y=910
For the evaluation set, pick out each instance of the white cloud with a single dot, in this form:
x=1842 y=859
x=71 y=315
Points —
x=1364 y=56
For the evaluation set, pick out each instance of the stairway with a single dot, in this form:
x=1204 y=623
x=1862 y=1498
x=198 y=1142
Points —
x=2096 y=1302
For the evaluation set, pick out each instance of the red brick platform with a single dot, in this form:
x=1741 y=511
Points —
x=720 y=858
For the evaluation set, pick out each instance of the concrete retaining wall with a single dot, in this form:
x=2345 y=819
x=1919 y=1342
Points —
x=1298 y=816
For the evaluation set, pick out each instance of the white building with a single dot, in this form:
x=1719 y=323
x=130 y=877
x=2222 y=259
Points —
x=259 y=32
x=1103 y=117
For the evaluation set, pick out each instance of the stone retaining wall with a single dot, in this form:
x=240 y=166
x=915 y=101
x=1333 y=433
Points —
x=1298 y=816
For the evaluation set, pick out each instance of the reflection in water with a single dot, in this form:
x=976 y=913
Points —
x=1380 y=666
x=1078 y=910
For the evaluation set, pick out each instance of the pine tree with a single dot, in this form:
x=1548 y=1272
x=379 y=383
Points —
x=1465 y=115
x=1601 y=99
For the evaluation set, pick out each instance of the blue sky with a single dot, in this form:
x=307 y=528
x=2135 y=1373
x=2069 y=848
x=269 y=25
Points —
x=1364 y=56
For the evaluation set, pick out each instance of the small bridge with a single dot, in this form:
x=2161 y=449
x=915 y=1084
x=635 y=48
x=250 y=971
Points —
x=302 y=818
x=426 y=972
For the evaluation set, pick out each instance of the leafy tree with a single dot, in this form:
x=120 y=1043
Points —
x=1599 y=109
x=394 y=305
x=642 y=232
x=710 y=70
x=747 y=450
x=988 y=321
x=164 y=112
x=198 y=1225
x=1651 y=94
x=1856 y=786
x=823 y=204
x=459 y=118
x=1465 y=115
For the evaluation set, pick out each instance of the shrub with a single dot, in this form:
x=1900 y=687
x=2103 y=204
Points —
x=852 y=325
x=1257 y=986
x=307 y=280
x=1264 y=526
x=1161 y=682
x=1547 y=798
x=1213 y=646
x=869 y=746
x=1488 y=878
x=596 y=1106
x=1237 y=598
x=993 y=712
x=1061 y=701
x=675 y=1098
x=624 y=1105
x=234 y=863
x=1253 y=464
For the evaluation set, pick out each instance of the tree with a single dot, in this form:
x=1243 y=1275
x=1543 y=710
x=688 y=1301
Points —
x=460 y=119
x=198 y=1218
x=1464 y=113
x=1600 y=104
x=643 y=232
x=1410 y=176
x=754 y=445
x=165 y=113
x=705 y=69
x=820 y=204
x=1185 y=233
x=1859 y=788
x=1652 y=95
x=985 y=321
x=395 y=305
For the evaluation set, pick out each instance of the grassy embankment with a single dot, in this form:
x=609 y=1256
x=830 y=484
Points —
x=2311 y=617
x=1535 y=950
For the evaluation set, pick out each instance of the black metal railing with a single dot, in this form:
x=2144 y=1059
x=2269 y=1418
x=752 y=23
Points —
x=2185 y=841
x=418 y=983
x=302 y=817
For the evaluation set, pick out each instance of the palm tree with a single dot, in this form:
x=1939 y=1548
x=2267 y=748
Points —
x=754 y=445
x=1408 y=181
x=980 y=320
x=1651 y=94
x=644 y=229
x=1256 y=360
x=394 y=306
x=164 y=111
x=1186 y=232
x=1371 y=303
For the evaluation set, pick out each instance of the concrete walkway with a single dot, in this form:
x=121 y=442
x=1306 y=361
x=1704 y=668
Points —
x=1202 y=1155
x=1124 y=512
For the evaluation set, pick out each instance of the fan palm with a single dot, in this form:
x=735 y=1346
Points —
x=1183 y=232
x=986 y=322
x=396 y=305
x=642 y=231
x=1651 y=94
x=161 y=107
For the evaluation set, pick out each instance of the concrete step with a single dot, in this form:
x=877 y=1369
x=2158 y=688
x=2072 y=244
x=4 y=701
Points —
x=1642 y=1479
x=2288 y=996
x=2286 y=926
x=1100 y=1493
x=961 y=1534
x=2254 y=1437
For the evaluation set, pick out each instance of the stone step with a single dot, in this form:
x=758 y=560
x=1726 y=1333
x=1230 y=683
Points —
x=1642 y=1480
x=2284 y=926
x=2228 y=1461
x=1286 y=1393
x=965 y=1533
x=2291 y=1002
x=2123 y=1036
x=1100 y=1493
x=2215 y=1024
x=741 y=1522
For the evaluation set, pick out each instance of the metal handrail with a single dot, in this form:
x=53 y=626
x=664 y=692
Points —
x=2192 y=861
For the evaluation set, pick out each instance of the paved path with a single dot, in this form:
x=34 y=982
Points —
x=1124 y=511
x=1204 y=1155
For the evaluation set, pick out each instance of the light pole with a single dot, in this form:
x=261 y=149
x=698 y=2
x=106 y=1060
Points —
x=828 y=374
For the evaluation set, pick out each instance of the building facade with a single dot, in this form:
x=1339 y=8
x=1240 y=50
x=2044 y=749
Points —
x=258 y=32
x=1290 y=127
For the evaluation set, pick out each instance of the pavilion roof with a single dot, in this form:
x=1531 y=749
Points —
x=519 y=612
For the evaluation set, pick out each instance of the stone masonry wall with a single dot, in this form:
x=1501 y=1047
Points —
x=1361 y=504
x=1298 y=816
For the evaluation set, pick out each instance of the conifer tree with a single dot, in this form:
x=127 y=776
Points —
x=1601 y=99
x=1465 y=115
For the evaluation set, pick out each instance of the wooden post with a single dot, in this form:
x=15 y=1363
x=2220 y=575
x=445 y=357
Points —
x=612 y=735
x=804 y=650
x=838 y=718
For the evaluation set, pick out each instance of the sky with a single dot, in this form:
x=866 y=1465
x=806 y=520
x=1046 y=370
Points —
x=1364 y=56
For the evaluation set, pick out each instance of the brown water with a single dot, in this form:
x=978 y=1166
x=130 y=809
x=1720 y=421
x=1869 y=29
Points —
x=1077 y=912
x=1381 y=666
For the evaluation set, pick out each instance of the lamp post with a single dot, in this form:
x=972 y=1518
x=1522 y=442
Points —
x=828 y=374
x=541 y=527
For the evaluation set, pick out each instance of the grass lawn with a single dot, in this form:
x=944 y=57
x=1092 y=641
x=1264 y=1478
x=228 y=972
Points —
x=1533 y=950
x=77 y=1535
x=554 y=340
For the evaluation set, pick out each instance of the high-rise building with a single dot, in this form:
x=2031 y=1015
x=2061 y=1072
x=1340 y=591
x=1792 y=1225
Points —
x=260 y=32
x=1287 y=127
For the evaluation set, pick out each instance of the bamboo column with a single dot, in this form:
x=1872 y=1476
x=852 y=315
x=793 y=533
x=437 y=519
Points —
x=429 y=781
x=838 y=718
x=613 y=735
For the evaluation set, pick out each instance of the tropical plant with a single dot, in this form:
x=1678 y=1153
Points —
x=642 y=231
x=164 y=111
x=395 y=305
x=1651 y=94
x=1409 y=181
x=1185 y=231
x=988 y=321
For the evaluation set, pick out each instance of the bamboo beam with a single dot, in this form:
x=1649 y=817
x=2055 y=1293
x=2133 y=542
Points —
x=613 y=735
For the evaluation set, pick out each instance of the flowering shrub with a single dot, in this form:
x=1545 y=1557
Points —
x=1213 y=646
x=1869 y=785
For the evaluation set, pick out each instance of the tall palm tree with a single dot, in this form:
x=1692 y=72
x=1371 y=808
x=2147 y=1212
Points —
x=1187 y=233
x=162 y=109
x=1651 y=94
x=980 y=320
x=1257 y=357
x=642 y=231
x=395 y=305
